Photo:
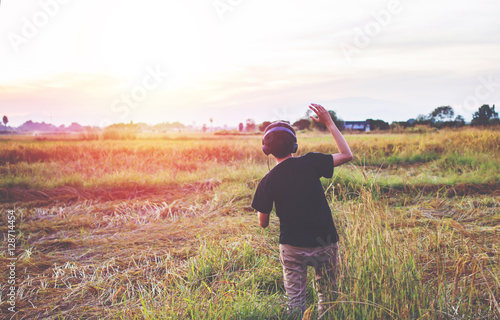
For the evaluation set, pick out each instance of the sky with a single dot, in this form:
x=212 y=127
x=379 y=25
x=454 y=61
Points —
x=103 y=62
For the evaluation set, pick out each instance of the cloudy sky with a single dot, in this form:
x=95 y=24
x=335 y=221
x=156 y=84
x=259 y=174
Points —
x=101 y=62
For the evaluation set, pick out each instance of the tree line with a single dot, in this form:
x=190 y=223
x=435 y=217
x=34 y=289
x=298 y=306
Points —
x=441 y=117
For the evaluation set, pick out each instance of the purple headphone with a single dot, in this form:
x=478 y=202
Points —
x=276 y=128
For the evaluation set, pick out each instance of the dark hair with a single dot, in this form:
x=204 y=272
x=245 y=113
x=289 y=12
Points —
x=279 y=143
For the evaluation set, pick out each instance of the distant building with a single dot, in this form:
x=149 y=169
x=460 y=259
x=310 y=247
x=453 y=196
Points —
x=357 y=125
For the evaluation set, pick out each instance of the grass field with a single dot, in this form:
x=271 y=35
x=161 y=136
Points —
x=162 y=228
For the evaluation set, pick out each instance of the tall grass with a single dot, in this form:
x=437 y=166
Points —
x=410 y=263
x=163 y=229
x=453 y=157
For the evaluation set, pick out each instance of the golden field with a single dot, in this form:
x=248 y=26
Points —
x=160 y=227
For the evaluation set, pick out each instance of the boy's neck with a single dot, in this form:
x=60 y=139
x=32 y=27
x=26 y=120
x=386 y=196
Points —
x=280 y=160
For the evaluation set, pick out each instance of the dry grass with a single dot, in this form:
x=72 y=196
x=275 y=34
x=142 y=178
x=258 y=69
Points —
x=92 y=255
x=155 y=229
x=448 y=247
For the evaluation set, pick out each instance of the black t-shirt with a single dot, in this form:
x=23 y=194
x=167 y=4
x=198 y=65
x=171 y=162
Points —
x=295 y=188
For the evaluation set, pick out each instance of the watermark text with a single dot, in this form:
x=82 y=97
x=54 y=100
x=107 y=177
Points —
x=132 y=99
x=31 y=27
x=11 y=257
x=222 y=7
x=363 y=35
x=485 y=88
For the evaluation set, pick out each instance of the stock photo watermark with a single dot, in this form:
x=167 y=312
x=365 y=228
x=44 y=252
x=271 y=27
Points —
x=222 y=7
x=484 y=89
x=363 y=35
x=12 y=259
x=40 y=19
x=132 y=99
x=283 y=113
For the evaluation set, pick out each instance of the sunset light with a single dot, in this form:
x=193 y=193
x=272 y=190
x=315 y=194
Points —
x=249 y=159
x=65 y=61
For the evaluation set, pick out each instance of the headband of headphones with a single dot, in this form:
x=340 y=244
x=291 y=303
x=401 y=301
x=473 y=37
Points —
x=267 y=151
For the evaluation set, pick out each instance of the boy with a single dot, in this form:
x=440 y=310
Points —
x=308 y=236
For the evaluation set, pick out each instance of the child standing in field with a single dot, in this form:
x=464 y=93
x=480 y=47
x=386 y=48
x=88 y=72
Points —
x=308 y=236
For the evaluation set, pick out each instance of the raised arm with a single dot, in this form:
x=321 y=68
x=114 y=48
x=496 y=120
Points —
x=324 y=117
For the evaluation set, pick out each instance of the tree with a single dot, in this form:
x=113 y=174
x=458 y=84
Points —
x=240 y=127
x=459 y=121
x=494 y=122
x=263 y=126
x=442 y=114
x=398 y=125
x=302 y=124
x=5 y=121
x=250 y=125
x=421 y=120
x=484 y=115
x=378 y=124
x=338 y=122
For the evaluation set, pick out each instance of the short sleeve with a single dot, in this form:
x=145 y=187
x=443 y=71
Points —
x=262 y=200
x=323 y=163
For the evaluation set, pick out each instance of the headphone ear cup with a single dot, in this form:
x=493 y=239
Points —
x=266 y=150
x=295 y=147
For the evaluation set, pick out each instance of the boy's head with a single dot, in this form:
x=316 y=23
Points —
x=279 y=140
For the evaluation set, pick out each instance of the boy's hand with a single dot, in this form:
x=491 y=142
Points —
x=323 y=115
x=345 y=154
